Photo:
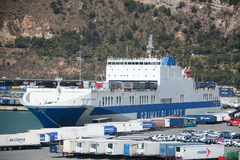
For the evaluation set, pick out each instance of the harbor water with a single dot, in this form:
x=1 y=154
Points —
x=17 y=122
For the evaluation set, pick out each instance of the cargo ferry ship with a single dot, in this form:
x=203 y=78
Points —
x=134 y=89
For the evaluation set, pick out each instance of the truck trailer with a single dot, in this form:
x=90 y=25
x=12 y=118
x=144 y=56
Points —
x=19 y=141
x=199 y=152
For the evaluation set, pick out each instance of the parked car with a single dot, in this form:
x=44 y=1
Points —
x=171 y=137
x=213 y=135
x=225 y=142
x=186 y=133
x=236 y=143
x=226 y=135
x=235 y=135
x=192 y=140
x=199 y=134
x=210 y=141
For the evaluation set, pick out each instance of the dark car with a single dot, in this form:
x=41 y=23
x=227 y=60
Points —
x=192 y=140
x=210 y=141
x=226 y=135
x=236 y=135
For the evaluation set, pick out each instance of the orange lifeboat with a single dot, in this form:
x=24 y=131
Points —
x=188 y=70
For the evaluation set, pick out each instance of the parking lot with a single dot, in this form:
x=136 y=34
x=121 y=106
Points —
x=200 y=127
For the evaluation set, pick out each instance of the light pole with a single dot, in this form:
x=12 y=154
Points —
x=80 y=59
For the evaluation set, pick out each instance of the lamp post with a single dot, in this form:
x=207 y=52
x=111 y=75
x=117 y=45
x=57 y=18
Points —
x=80 y=69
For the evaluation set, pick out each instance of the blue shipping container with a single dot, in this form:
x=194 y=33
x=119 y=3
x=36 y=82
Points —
x=4 y=101
x=148 y=125
x=211 y=85
x=5 y=88
x=203 y=118
x=201 y=84
x=110 y=129
x=237 y=94
x=150 y=85
x=176 y=122
x=225 y=92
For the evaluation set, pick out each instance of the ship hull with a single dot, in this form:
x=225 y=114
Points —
x=56 y=117
x=128 y=112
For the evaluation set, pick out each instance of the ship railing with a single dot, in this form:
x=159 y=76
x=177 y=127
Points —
x=134 y=59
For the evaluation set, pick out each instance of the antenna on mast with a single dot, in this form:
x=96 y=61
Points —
x=80 y=65
x=150 y=46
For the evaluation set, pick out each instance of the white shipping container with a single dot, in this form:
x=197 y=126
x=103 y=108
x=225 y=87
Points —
x=105 y=85
x=69 y=146
x=122 y=126
x=67 y=133
x=148 y=148
x=98 y=146
x=220 y=116
x=95 y=131
x=136 y=126
x=119 y=125
x=199 y=152
x=86 y=84
x=61 y=133
x=83 y=146
x=116 y=147
x=44 y=137
x=20 y=139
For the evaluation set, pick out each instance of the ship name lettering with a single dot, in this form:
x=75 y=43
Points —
x=162 y=113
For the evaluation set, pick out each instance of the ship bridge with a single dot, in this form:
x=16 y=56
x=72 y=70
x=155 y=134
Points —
x=143 y=69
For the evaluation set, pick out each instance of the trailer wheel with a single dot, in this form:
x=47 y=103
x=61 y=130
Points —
x=9 y=148
x=4 y=148
x=229 y=124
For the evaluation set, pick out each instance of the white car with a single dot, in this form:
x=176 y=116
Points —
x=226 y=142
x=213 y=135
x=199 y=134
x=186 y=133
x=236 y=143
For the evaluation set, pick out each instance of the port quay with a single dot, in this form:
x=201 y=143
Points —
x=47 y=150
x=50 y=83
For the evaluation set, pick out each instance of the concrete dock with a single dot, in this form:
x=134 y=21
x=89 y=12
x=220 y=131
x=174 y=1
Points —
x=13 y=108
x=43 y=152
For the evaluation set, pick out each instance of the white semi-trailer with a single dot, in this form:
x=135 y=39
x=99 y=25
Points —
x=20 y=140
x=199 y=152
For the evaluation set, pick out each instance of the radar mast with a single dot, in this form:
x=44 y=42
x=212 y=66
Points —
x=150 y=46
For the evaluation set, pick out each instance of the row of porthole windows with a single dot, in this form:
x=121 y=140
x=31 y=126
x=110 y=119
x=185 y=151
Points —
x=127 y=75
x=134 y=69
x=134 y=63
x=107 y=101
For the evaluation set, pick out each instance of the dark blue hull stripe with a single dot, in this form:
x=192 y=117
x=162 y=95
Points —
x=159 y=110
x=69 y=116
x=61 y=116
